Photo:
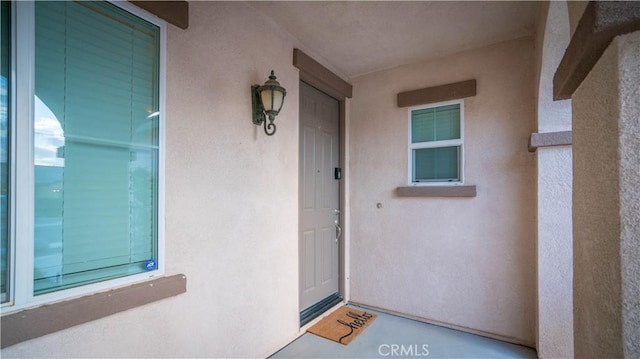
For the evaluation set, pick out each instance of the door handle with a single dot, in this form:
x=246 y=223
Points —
x=338 y=230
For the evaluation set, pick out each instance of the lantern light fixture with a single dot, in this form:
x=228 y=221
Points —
x=267 y=100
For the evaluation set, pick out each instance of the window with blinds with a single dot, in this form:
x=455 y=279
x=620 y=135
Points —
x=96 y=144
x=436 y=144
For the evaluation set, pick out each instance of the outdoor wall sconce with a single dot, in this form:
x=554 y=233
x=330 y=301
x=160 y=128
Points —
x=267 y=100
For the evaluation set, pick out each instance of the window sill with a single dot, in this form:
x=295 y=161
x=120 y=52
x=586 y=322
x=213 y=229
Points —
x=547 y=139
x=437 y=191
x=33 y=323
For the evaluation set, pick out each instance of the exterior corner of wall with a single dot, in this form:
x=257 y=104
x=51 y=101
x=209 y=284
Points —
x=629 y=62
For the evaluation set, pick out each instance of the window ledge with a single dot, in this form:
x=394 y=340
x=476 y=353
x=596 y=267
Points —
x=547 y=139
x=33 y=323
x=437 y=191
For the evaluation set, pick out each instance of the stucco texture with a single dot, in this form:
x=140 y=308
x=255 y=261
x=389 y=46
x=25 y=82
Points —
x=463 y=262
x=606 y=110
x=554 y=194
x=231 y=204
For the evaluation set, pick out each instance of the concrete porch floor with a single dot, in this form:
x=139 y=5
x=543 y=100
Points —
x=409 y=338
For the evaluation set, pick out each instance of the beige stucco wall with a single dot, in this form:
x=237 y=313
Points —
x=554 y=181
x=629 y=154
x=465 y=262
x=606 y=110
x=231 y=204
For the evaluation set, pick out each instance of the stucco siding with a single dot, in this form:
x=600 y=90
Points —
x=231 y=203
x=606 y=204
x=464 y=262
x=554 y=194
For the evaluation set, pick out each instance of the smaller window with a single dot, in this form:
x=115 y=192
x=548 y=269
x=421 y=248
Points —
x=436 y=144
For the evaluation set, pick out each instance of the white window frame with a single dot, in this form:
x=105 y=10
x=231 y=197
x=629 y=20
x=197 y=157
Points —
x=436 y=144
x=22 y=177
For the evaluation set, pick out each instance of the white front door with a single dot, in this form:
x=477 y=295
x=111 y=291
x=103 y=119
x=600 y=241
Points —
x=319 y=196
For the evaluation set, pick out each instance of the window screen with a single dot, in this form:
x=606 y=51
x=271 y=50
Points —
x=436 y=164
x=435 y=124
x=96 y=134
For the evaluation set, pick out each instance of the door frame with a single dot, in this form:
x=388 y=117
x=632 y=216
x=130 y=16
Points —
x=324 y=80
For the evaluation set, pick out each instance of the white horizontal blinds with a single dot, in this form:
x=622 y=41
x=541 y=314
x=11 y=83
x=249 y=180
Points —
x=440 y=163
x=5 y=71
x=96 y=144
x=435 y=124
x=49 y=143
x=436 y=144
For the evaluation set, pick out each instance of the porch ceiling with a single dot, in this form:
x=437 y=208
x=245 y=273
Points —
x=358 y=37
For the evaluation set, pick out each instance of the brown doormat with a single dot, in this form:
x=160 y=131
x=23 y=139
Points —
x=343 y=325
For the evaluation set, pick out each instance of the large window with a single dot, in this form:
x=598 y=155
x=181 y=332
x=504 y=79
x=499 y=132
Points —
x=93 y=185
x=436 y=144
